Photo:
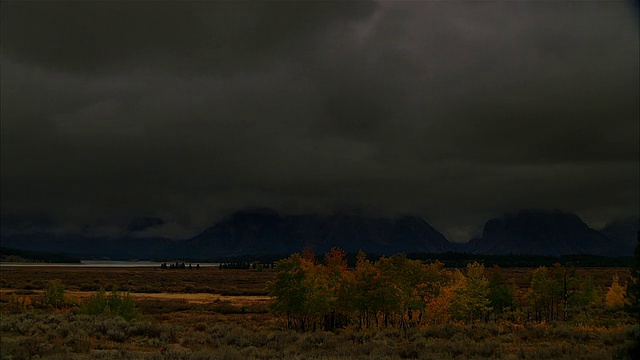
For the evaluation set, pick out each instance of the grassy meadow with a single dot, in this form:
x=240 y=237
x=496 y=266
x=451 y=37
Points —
x=212 y=313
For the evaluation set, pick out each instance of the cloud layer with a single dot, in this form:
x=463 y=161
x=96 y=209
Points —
x=457 y=111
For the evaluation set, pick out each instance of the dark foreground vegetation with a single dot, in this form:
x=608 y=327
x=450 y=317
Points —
x=389 y=308
x=76 y=336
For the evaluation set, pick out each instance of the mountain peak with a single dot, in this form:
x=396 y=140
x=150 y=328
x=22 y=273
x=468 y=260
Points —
x=543 y=232
x=266 y=232
x=624 y=230
x=534 y=220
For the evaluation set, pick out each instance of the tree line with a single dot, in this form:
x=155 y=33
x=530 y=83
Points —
x=244 y=265
x=399 y=292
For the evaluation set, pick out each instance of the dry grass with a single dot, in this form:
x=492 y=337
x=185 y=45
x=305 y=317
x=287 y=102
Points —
x=204 y=280
x=139 y=280
x=238 y=300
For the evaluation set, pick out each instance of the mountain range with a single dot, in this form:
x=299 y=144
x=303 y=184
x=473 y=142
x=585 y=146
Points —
x=262 y=231
x=551 y=233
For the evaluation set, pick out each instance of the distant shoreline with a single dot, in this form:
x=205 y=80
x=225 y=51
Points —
x=99 y=264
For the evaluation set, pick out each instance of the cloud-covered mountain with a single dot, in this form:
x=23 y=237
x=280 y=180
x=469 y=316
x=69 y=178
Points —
x=624 y=230
x=257 y=231
x=263 y=231
x=541 y=232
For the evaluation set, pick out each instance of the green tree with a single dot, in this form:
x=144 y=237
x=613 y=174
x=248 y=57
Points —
x=477 y=288
x=573 y=290
x=55 y=294
x=365 y=291
x=556 y=291
x=288 y=289
x=501 y=295
x=541 y=294
x=318 y=302
x=399 y=290
x=301 y=291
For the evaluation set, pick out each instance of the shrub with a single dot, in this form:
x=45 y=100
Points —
x=55 y=294
x=201 y=326
x=114 y=304
x=78 y=343
x=19 y=304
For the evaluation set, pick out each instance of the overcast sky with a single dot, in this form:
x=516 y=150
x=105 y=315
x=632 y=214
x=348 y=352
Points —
x=186 y=111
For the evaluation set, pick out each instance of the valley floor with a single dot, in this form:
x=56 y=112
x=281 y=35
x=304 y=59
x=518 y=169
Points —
x=224 y=314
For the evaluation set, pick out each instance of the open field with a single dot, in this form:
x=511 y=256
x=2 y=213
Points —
x=224 y=314
x=138 y=280
x=205 y=280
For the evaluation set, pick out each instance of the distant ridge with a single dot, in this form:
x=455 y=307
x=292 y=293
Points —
x=265 y=232
x=542 y=232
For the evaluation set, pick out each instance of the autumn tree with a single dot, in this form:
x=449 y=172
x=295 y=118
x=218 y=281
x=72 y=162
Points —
x=471 y=300
x=308 y=254
x=442 y=303
x=389 y=293
x=335 y=270
x=541 y=295
x=573 y=290
x=615 y=294
x=557 y=290
x=318 y=301
x=301 y=292
x=431 y=292
x=401 y=283
x=365 y=295
x=415 y=278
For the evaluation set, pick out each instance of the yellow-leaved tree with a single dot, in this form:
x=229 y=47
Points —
x=472 y=299
x=615 y=295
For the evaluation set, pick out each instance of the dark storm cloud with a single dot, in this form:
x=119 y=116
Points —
x=185 y=111
x=182 y=35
